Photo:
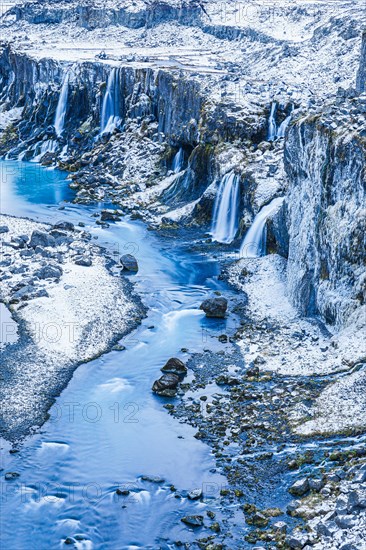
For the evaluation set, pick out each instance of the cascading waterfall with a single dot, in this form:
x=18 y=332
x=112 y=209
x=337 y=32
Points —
x=110 y=118
x=283 y=126
x=47 y=146
x=178 y=161
x=254 y=244
x=225 y=215
x=272 y=127
x=62 y=107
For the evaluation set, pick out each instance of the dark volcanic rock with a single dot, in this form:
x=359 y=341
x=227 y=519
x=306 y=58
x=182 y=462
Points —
x=175 y=366
x=66 y=226
x=193 y=521
x=49 y=272
x=300 y=487
x=40 y=238
x=129 y=262
x=214 y=307
x=166 y=386
x=83 y=261
x=4 y=229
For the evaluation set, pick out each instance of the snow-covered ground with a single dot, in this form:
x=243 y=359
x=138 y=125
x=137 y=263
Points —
x=282 y=341
x=63 y=320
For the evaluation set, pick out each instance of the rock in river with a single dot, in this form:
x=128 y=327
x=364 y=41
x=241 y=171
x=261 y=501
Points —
x=175 y=366
x=214 y=307
x=129 y=262
x=300 y=487
x=166 y=386
x=193 y=521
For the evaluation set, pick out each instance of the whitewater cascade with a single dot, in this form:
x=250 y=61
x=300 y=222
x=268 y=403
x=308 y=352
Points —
x=283 y=126
x=110 y=118
x=225 y=215
x=178 y=161
x=272 y=128
x=254 y=244
x=47 y=146
x=61 y=107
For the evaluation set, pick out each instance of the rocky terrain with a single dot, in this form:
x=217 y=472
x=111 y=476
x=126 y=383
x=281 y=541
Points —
x=149 y=106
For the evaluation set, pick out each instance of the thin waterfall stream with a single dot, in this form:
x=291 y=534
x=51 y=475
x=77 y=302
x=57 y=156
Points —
x=225 y=215
x=254 y=244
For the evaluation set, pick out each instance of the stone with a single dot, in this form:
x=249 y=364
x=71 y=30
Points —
x=345 y=522
x=316 y=484
x=297 y=540
x=40 y=238
x=9 y=476
x=214 y=307
x=4 y=229
x=63 y=225
x=166 y=386
x=84 y=261
x=195 y=494
x=49 y=272
x=253 y=372
x=129 y=263
x=152 y=479
x=175 y=366
x=193 y=521
x=109 y=216
x=300 y=487
x=123 y=492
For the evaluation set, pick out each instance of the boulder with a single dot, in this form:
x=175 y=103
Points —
x=214 y=307
x=41 y=238
x=195 y=494
x=83 y=260
x=129 y=262
x=193 y=521
x=300 y=487
x=4 y=229
x=109 y=216
x=65 y=226
x=166 y=386
x=175 y=366
x=49 y=272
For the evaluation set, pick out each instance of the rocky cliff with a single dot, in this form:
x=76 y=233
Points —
x=361 y=75
x=325 y=159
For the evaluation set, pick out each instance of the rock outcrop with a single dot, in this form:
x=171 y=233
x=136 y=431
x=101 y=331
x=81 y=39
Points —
x=325 y=159
x=361 y=75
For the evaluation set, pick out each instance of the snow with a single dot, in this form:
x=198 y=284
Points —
x=86 y=310
x=314 y=349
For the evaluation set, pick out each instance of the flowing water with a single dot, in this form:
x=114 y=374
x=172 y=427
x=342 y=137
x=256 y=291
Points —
x=110 y=117
x=107 y=429
x=225 y=216
x=62 y=107
x=272 y=127
x=178 y=161
x=254 y=244
x=283 y=126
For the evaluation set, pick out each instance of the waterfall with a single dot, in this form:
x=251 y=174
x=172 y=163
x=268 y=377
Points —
x=178 y=161
x=272 y=128
x=225 y=215
x=254 y=244
x=283 y=126
x=110 y=118
x=47 y=146
x=62 y=106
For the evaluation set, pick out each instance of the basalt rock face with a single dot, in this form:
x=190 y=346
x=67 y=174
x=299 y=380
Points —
x=90 y=15
x=361 y=75
x=325 y=159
